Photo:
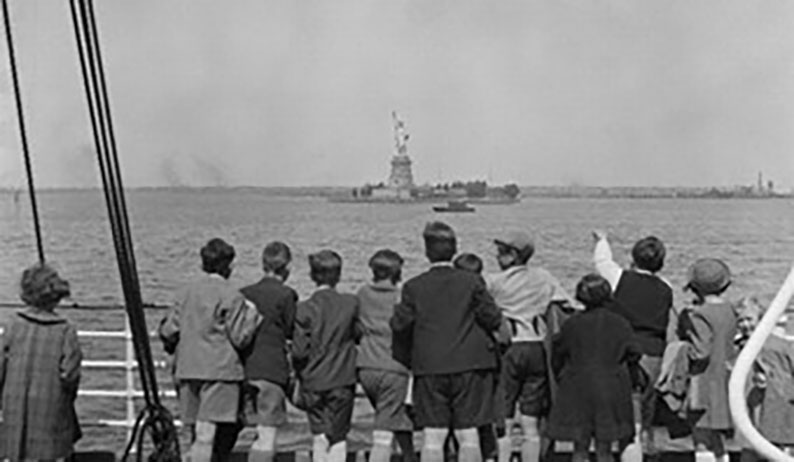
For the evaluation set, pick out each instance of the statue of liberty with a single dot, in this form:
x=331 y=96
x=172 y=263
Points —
x=400 y=135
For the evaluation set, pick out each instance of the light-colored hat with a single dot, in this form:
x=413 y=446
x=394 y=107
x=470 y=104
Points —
x=518 y=240
x=709 y=276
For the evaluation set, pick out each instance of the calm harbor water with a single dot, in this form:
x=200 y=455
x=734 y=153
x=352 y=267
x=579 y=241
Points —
x=755 y=237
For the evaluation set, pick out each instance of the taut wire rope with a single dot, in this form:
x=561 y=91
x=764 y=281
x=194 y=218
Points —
x=154 y=419
x=22 y=131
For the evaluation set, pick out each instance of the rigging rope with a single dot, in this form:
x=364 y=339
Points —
x=22 y=132
x=154 y=418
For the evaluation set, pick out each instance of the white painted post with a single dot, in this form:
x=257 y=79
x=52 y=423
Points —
x=736 y=385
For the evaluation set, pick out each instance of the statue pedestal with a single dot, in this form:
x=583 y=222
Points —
x=401 y=177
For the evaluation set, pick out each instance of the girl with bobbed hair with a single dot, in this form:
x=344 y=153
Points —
x=591 y=356
x=39 y=373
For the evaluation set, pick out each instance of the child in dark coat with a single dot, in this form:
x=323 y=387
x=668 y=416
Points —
x=324 y=357
x=39 y=373
x=591 y=353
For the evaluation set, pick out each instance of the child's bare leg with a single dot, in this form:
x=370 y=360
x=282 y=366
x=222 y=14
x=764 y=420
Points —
x=319 y=448
x=603 y=451
x=469 y=441
x=381 y=446
x=263 y=448
x=581 y=451
x=433 y=444
x=201 y=449
x=530 y=449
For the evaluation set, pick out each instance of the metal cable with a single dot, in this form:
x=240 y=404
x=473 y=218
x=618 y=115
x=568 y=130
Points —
x=155 y=418
x=22 y=132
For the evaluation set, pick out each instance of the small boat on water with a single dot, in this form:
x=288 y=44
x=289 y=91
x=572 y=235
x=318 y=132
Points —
x=454 y=206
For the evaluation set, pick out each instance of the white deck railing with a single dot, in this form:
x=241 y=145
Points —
x=736 y=386
x=129 y=364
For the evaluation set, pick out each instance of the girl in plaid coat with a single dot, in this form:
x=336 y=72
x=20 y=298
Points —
x=39 y=372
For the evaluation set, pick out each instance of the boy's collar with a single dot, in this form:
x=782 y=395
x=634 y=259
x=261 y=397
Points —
x=323 y=287
x=42 y=316
x=441 y=264
x=383 y=284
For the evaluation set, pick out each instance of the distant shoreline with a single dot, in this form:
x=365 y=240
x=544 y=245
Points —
x=552 y=192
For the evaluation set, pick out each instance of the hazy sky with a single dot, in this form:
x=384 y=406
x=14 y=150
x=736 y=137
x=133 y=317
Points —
x=614 y=92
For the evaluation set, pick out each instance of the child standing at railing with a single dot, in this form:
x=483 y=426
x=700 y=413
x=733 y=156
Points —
x=385 y=380
x=207 y=326
x=265 y=360
x=709 y=327
x=771 y=388
x=592 y=353
x=324 y=357
x=39 y=373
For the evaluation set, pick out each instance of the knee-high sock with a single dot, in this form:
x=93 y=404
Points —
x=201 y=449
x=319 y=448
x=530 y=449
x=433 y=445
x=705 y=456
x=338 y=452
x=381 y=446
x=469 y=445
x=632 y=452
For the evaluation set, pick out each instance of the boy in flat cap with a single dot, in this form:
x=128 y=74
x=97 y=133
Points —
x=646 y=301
x=385 y=380
x=524 y=294
x=324 y=357
x=448 y=316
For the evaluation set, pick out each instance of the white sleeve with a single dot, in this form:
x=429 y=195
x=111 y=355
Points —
x=605 y=265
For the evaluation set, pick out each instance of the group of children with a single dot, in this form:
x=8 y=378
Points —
x=450 y=352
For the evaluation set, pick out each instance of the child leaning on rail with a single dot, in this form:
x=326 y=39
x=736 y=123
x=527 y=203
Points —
x=709 y=326
x=591 y=357
x=770 y=398
x=324 y=357
x=39 y=373
x=384 y=380
x=209 y=323
x=266 y=365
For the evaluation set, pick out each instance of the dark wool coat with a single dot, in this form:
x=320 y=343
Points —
x=594 y=396
x=445 y=320
x=39 y=374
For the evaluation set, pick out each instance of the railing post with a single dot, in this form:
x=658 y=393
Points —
x=129 y=360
